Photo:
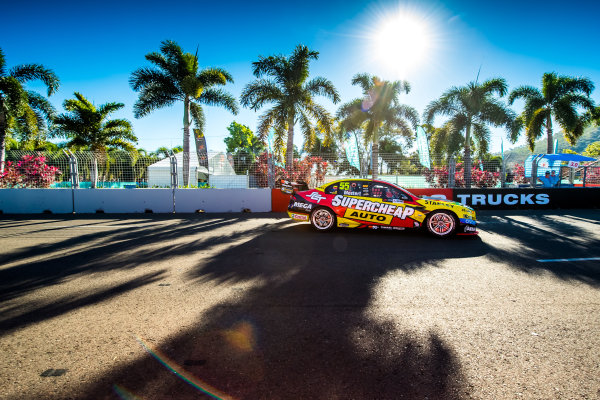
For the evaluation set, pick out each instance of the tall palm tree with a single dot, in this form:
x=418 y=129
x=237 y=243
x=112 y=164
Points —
x=282 y=81
x=86 y=125
x=379 y=112
x=471 y=109
x=20 y=108
x=176 y=77
x=559 y=99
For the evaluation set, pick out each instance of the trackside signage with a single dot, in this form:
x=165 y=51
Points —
x=487 y=199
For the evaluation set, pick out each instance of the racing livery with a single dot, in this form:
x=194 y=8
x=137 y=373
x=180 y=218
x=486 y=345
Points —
x=361 y=203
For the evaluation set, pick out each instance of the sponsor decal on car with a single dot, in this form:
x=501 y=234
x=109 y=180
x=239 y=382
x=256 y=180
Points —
x=372 y=208
x=315 y=196
x=469 y=228
x=367 y=216
x=306 y=206
x=299 y=217
x=467 y=221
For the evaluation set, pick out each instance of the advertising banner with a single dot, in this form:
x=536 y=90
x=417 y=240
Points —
x=490 y=199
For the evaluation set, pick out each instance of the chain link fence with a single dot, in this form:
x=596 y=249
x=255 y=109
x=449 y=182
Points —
x=126 y=170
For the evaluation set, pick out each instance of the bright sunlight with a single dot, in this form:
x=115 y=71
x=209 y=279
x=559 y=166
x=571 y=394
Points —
x=401 y=43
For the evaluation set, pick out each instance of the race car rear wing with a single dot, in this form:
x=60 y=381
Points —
x=288 y=187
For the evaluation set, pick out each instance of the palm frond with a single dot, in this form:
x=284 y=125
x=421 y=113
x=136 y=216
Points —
x=323 y=87
x=256 y=94
x=529 y=93
x=219 y=97
x=28 y=72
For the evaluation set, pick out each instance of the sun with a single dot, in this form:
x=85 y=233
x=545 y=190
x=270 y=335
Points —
x=401 y=43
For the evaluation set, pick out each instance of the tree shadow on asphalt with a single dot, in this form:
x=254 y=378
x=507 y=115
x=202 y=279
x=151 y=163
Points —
x=545 y=237
x=303 y=332
x=60 y=261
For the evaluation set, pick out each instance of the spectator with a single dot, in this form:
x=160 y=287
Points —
x=554 y=179
x=546 y=180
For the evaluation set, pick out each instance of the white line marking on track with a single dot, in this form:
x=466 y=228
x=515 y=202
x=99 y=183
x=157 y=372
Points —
x=570 y=259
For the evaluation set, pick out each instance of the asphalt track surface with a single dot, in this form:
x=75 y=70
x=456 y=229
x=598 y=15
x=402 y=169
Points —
x=255 y=306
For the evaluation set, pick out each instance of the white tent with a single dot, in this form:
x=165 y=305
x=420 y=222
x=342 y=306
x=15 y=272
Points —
x=220 y=172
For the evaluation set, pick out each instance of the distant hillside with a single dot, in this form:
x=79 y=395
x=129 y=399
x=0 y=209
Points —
x=519 y=154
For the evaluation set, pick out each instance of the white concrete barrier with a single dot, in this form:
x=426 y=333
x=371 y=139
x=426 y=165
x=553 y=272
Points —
x=123 y=200
x=222 y=200
x=36 y=201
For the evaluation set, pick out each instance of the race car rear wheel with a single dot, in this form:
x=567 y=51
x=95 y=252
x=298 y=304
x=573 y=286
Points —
x=322 y=219
x=441 y=224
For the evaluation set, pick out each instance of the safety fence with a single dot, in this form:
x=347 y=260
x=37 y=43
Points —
x=128 y=170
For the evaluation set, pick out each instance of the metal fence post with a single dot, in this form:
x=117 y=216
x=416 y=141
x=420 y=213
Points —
x=584 y=175
x=503 y=174
x=174 y=177
x=451 y=172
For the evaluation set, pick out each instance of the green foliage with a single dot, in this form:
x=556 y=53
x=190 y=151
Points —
x=592 y=150
x=243 y=146
x=569 y=151
x=558 y=100
x=241 y=138
x=471 y=109
x=88 y=127
x=24 y=114
x=175 y=76
x=379 y=113
x=283 y=82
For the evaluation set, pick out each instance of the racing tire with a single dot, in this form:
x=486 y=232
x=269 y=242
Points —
x=441 y=224
x=323 y=219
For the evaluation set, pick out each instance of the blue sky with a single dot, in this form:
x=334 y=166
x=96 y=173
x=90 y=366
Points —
x=94 y=47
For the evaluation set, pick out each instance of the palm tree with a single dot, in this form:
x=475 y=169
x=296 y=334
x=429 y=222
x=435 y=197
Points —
x=176 y=78
x=86 y=125
x=559 y=99
x=379 y=112
x=20 y=108
x=471 y=109
x=287 y=88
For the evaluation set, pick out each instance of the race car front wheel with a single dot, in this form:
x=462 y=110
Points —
x=322 y=219
x=441 y=224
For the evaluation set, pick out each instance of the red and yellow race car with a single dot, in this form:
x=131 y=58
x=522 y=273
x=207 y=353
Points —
x=360 y=203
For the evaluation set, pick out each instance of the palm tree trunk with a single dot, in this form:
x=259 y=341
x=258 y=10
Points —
x=289 y=152
x=2 y=136
x=375 y=153
x=550 y=147
x=186 y=142
x=467 y=165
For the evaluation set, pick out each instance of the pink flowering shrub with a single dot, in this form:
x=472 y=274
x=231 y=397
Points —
x=438 y=177
x=301 y=171
x=29 y=172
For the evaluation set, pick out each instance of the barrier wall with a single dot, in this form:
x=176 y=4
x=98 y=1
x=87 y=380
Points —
x=123 y=200
x=36 y=201
x=65 y=201
x=222 y=200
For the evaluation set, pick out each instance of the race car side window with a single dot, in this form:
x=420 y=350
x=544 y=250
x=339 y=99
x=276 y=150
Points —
x=387 y=193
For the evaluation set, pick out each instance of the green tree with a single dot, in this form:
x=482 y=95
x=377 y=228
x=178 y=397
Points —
x=558 y=99
x=86 y=126
x=282 y=81
x=243 y=145
x=176 y=77
x=242 y=138
x=23 y=109
x=592 y=150
x=379 y=113
x=471 y=109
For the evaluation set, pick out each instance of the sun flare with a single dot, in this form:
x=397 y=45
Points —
x=401 y=43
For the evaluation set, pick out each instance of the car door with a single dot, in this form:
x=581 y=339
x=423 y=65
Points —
x=395 y=203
